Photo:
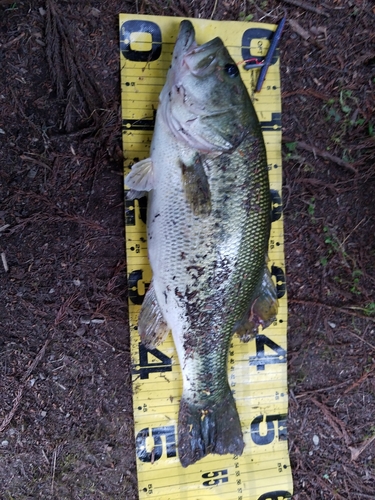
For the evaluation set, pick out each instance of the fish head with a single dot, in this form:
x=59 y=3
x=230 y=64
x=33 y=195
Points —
x=204 y=101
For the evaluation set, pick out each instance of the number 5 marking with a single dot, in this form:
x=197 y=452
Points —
x=215 y=477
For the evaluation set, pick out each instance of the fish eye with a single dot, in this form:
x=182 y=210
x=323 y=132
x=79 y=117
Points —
x=231 y=70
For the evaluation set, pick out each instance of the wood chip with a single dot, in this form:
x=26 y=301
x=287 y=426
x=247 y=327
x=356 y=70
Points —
x=323 y=154
x=299 y=30
x=308 y=6
x=4 y=261
x=306 y=35
x=355 y=452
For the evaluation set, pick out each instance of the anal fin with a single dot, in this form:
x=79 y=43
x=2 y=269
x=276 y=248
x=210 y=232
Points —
x=152 y=326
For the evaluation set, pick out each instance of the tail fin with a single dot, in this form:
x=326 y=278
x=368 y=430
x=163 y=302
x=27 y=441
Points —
x=215 y=428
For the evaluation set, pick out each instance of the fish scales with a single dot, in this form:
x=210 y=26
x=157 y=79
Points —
x=210 y=266
x=208 y=226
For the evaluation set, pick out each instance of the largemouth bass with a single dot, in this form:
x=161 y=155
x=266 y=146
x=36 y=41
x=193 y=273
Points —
x=208 y=226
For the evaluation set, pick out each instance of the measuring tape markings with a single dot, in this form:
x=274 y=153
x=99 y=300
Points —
x=260 y=464
x=214 y=483
x=260 y=397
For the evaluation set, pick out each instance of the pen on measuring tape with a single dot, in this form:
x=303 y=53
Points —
x=271 y=51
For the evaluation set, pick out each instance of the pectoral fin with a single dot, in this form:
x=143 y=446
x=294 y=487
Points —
x=140 y=179
x=263 y=309
x=196 y=186
x=152 y=327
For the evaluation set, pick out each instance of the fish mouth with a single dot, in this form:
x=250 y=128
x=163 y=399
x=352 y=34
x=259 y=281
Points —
x=200 y=60
x=183 y=100
x=185 y=39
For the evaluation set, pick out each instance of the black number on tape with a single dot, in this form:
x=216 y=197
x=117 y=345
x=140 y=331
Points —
x=276 y=495
x=280 y=281
x=273 y=124
x=131 y=212
x=269 y=436
x=261 y=359
x=277 y=206
x=134 y=278
x=216 y=477
x=128 y=124
x=140 y=26
x=256 y=34
x=169 y=434
x=145 y=367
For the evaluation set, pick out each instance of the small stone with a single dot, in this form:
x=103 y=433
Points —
x=85 y=320
x=81 y=331
x=95 y=12
x=97 y=321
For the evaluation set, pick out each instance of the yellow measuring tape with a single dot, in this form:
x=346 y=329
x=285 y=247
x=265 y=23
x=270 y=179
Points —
x=257 y=371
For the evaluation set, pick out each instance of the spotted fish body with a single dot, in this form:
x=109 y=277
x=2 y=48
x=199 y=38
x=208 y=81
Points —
x=208 y=226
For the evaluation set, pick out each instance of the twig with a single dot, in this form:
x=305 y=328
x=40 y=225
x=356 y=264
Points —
x=322 y=389
x=306 y=35
x=357 y=451
x=311 y=92
x=17 y=400
x=360 y=380
x=363 y=340
x=323 y=484
x=56 y=452
x=327 y=306
x=35 y=161
x=14 y=40
x=41 y=217
x=299 y=29
x=352 y=231
x=72 y=79
x=62 y=312
x=323 y=154
x=307 y=6
x=4 y=261
x=213 y=10
x=21 y=111
x=335 y=422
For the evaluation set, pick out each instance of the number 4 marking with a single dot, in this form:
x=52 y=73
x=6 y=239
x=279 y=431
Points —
x=261 y=359
x=145 y=367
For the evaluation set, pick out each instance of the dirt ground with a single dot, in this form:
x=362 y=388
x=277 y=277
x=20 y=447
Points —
x=66 y=425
